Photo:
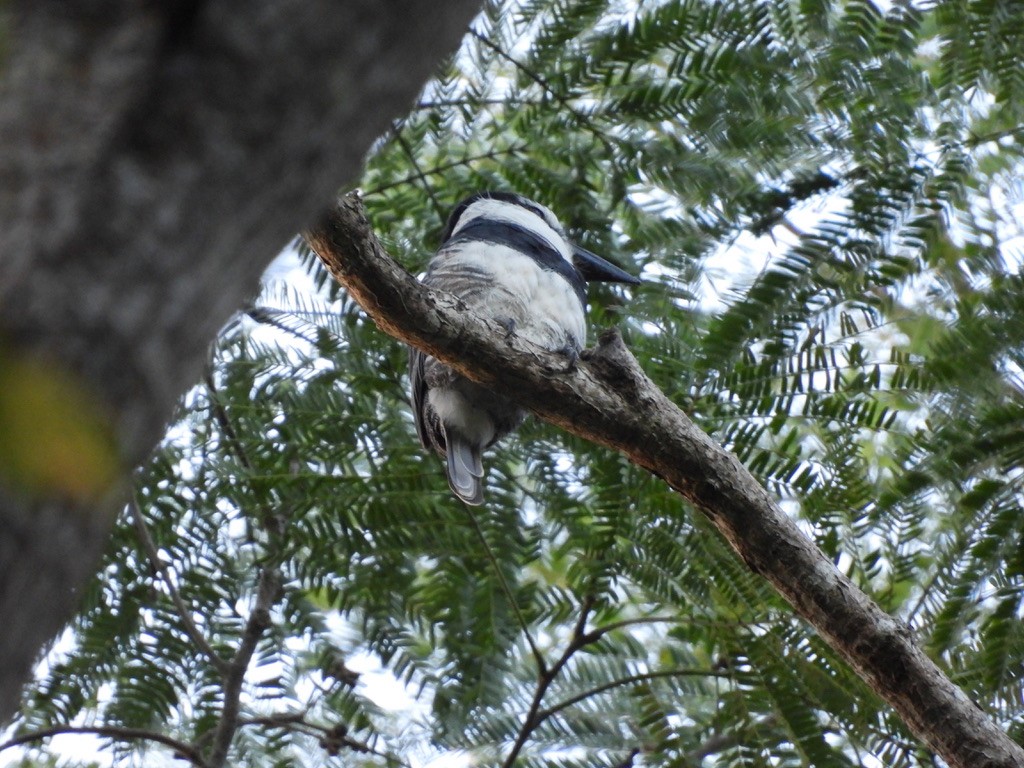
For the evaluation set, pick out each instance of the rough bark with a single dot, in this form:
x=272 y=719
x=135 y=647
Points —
x=608 y=399
x=154 y=156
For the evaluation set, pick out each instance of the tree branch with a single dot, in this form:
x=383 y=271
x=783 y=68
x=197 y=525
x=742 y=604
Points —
x=181 y=749
x=609 y=400
x=546 y=676
x=259 y=621
x=268 y=590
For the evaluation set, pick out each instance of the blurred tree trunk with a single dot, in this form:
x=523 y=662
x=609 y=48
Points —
x=154 y=156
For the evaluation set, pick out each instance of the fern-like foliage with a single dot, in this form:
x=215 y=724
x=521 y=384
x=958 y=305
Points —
x=820 y=199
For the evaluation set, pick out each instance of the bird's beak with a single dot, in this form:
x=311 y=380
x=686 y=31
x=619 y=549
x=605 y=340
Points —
x=595 y=269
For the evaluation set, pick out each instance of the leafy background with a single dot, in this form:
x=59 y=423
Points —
x=824 y=202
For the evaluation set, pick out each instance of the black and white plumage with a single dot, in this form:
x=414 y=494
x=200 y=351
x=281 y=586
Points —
x=508 y=259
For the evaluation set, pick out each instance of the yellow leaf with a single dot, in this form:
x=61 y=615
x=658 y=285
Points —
x=56 y=439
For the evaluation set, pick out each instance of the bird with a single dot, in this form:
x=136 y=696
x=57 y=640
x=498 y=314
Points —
x=508 y=259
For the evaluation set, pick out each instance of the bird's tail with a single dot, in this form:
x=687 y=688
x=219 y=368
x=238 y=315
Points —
x=465 y=469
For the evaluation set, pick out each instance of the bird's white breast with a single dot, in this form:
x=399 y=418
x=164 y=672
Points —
x=501 y=283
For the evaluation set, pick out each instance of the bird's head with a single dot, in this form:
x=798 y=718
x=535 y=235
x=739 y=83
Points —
x=513 y=213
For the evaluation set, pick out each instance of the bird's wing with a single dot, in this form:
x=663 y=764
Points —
x=419 y=393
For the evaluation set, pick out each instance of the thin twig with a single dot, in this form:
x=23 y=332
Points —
x=272 y=522
x=975 y=141
x=336 y=735
x=424 y=106
x=599 y=632
x=420 y=176
x=719 y=742
x=628 y=760
x=544 y=714
x=580 y=638
x=439 y=169
x=562 y=99
x=523 y=625
x=279 y=720
x=267 y=591
x=191 y=629
x=623 y=623
x=181 y=749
